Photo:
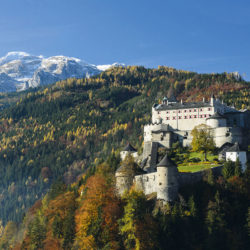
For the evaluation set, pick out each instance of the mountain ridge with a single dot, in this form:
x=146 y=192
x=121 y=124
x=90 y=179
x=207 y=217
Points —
x=20 y=70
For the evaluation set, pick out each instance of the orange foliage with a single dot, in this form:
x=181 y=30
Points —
x=60 y=205
x=99 y=197
x=52 y=244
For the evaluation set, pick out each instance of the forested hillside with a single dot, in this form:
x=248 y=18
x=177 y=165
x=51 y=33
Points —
x=211 y=214
x=58 y=132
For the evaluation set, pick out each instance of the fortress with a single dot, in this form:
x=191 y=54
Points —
x=173 y=121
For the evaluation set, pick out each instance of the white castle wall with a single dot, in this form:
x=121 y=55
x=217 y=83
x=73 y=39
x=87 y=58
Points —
x=227 y=134
x=148 y=136
x=233 y=156
x=188 y=118
x=164 y=182
x=146 y=182
x=215 y=123
x=221 y=135
x=181 y=120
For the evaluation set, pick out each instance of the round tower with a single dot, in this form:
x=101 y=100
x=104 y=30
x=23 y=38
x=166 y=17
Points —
x=125 y=174
x=167 y=177
x=216 y=121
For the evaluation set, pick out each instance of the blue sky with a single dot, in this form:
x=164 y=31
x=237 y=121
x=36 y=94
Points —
x=197 y=35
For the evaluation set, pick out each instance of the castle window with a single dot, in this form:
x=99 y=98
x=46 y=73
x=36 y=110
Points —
x=209 y=109
x=185 y=117
x=160 y=184
x=194 y=116
x=179 y=117
x=167 y=118
x=185 y=111
x=158 y=112
x=194 y=110
x=200 y=109
x=201 y=116
x=190 y=110
x=174 y=117
x=179 y=111
x=190 y=117
x=167 y=112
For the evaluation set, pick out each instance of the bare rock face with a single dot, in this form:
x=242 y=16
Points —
x=20 y=70
x=7 y=84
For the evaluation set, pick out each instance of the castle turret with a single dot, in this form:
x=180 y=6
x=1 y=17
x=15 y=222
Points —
x=216 y=121
x=167 y=177
x=212 y=100
x=129 y=149
x=125 y=174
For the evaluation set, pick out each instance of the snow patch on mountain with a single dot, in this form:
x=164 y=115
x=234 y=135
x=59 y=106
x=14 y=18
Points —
x=20 y=70
x=108 y=66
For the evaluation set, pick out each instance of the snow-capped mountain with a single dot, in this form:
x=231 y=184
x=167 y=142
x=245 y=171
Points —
x=108 y=66
x=20 y=70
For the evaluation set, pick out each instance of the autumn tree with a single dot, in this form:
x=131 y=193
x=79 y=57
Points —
x=96 y=218
x=61 y=219
x=202 y=140
x=137 y=226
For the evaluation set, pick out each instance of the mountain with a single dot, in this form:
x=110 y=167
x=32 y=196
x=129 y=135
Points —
x=20 y=71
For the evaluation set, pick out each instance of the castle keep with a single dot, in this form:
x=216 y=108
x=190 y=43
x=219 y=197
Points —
x=173 y=121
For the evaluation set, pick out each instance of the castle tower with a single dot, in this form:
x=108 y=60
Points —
x=129 y=149
x=125 y=174
x=216 y=121
x=167 y=177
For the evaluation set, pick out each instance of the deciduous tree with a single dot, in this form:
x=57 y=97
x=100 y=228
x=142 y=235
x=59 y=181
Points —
x=202 y=140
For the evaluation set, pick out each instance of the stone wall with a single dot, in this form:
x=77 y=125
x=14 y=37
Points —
x=123 y=182
x=146 y=182
x=189 y=178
